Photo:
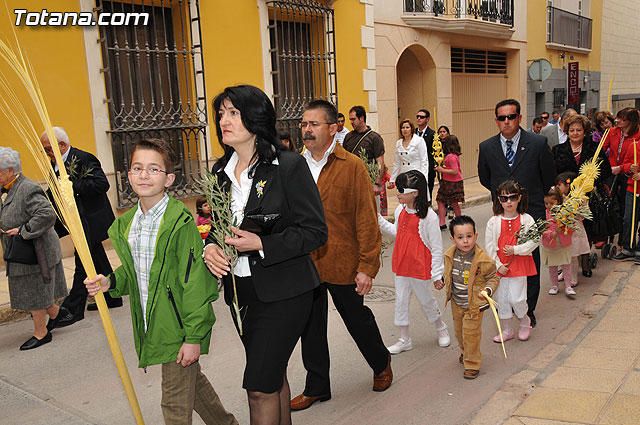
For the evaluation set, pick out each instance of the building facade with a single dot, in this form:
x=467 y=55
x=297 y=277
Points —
x=455 y=58
x=620 y=40
x=563 y=32
x=109 y=86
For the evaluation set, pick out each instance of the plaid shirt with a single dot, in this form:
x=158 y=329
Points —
x=142 y=240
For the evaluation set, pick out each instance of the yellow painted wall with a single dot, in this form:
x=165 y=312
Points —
x=232 y=50
x=537 y=37
x=58 y=58
x=351 y=58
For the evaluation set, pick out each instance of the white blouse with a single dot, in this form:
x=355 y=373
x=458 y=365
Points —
x=413 y=157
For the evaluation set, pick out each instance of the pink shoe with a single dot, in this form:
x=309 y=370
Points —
x=506 y=336
x=525 y=329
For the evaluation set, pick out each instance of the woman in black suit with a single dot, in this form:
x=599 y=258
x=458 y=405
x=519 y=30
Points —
x=569 y=156
x=275 y=275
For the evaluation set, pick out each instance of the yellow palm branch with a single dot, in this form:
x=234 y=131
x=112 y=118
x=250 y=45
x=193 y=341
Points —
x=13 y=107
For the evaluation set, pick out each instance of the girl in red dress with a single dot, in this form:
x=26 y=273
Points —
x=513 y=261
x=417 y=260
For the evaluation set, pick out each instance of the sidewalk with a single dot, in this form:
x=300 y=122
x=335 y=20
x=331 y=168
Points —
x=474 y=193
x=590 y=374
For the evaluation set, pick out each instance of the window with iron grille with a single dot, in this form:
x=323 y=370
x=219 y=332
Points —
x=154 y=78
x=303 y=59
x=472 y=61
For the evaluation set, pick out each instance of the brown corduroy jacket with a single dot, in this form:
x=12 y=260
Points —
x=355 y=241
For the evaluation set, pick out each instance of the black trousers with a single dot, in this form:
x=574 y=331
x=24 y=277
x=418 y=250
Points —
x=360 y=323
x=533 y=284
x=77 y=298
x=432 y=181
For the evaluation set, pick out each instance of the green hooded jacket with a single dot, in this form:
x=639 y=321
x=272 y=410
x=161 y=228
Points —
x=181 y=289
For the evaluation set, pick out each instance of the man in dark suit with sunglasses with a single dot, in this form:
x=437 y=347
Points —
x=423 y=130
x=516 y=154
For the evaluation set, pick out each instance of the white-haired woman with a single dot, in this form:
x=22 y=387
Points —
x=27 y=213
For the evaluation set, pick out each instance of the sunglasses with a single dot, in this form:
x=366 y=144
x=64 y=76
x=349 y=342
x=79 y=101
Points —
x=421 y=117
x=544 y=118
x=510 y=116
x=505 y=198
x=405 y=190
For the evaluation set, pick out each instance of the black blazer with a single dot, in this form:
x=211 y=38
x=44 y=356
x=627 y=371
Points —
x=428 y=140
x=533 y=168
x=90 y=186
x=287 y=269
x=565 y=161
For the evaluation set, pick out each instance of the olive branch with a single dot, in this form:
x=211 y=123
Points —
x=372 y=166
x=222 y=220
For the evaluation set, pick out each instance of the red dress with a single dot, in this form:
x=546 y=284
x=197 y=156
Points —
x=411 y=258
x=522 y=265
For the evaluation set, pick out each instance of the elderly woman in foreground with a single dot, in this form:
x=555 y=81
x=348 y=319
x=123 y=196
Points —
x=26 y=213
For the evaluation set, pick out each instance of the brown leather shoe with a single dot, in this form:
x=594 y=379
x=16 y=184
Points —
x=383 y=381
x=302 y=402
x=471 y=373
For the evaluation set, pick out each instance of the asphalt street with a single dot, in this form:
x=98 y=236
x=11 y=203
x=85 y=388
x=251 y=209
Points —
x=73 y=380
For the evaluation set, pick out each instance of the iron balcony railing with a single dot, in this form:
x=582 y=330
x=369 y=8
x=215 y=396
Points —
x=500 y=11
x=568 y=29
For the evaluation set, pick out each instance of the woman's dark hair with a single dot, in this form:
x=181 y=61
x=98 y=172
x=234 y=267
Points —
x=599 y=118
x=451 y=144
x=414 y=179
x=566 y=178
x=258 y=117
x=199 y=203
x=285 y=135
x=553 y=193
x=510 y=187
x=631 y=115
x=461 y=220
x=407 y=121
x=445 y=127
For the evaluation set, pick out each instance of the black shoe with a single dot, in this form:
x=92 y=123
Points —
x=623 y=255
x=117 y=302
x=587 y=273
x=34 y=342
x=53 y=323
x=443 y=227
x=533 y=320
x=66 y=318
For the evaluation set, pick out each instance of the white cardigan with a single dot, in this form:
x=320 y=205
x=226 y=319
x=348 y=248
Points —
x=492 y=235
x=413 y=157
x=429 y=230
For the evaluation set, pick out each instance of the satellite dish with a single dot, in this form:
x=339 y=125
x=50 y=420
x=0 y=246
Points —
x=540 y=70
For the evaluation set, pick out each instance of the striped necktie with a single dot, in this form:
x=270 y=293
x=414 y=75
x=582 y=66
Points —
x=510 y=153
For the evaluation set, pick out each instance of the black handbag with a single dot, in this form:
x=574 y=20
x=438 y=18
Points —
x=20 y=250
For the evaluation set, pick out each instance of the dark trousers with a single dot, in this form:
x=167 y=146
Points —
x=360 y=323
x=626 y=223
x=432 y=181
x=533 y=284
x=77 y=298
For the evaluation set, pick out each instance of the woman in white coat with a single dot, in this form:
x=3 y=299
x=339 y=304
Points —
x=411 y=153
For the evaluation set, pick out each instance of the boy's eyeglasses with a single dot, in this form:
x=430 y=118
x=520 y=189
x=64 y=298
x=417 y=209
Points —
x=504 y=117
x=505 y=198
x=405 y=190
x=152 y=171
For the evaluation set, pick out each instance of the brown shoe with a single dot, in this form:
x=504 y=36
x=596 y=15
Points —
x=383 y=381
x=302 y=402
x=461 y=358
x=471 y=373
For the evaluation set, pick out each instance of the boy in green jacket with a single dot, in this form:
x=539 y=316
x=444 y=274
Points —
x=170 y=289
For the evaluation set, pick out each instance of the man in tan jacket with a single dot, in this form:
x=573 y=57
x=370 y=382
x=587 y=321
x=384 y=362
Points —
x=349 y=260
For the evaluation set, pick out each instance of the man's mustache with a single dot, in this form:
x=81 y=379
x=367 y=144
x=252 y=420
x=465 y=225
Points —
x=308 y=136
